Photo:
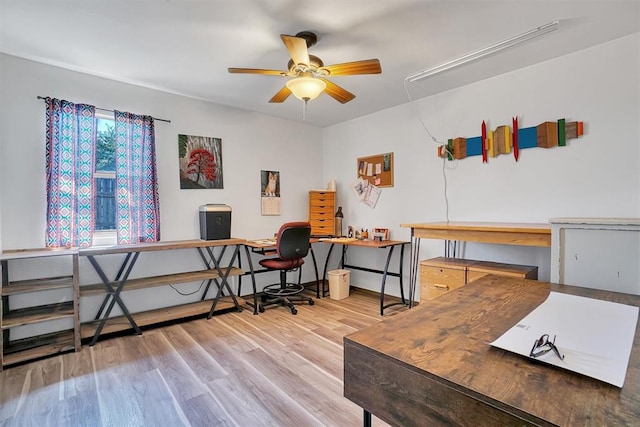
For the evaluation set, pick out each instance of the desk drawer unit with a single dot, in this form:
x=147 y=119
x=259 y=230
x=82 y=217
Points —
x=482 y=268
x=441 y=275
x=322 y=208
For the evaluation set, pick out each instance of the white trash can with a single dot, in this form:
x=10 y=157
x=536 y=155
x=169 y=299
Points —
x=338 y=284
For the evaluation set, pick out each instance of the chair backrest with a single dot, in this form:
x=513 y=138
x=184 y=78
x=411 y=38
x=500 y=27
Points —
x=293 y=240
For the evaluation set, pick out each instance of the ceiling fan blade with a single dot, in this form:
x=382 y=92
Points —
x=297 y=48
x=258 y=71
x=336 y=92
x=281 y=95
x=367 y=66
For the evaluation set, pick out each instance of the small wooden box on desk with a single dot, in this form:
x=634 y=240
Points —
x=441 y=275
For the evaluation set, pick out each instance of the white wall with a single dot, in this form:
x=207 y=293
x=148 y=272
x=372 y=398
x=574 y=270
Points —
x=595 y=175
x=250 y=143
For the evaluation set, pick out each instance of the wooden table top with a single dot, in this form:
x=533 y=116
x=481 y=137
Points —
x=365 y=243
x=483 y=226
x=158 y=246
x=270 y=243
x=507 y=233
x=36 y=253
x=446 y=340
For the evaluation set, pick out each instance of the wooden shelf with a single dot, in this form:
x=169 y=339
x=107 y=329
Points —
x=40 y=313
x=44 y=308
x=40 y=346
x=36 y=285
x=148 y=282
x=11 y=254
x=151 y=317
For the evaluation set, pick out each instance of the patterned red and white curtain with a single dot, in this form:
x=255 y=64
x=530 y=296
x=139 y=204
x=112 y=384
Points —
x=137 y=205
x=70 y=151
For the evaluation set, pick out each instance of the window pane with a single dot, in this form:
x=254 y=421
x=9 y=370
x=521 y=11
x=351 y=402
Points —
x=105 y=204
x=105 y=146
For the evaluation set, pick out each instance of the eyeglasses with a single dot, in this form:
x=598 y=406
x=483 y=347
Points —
x=542 y=346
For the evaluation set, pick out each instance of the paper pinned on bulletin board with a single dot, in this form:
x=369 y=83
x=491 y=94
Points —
x=366 y=192
x=359 y=187
x=371 y=196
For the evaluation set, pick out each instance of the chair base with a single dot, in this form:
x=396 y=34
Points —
x=285 y=296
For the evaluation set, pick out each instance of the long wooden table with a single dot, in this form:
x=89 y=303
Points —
x=214 y=272
x=505 y=233
x=433 y=365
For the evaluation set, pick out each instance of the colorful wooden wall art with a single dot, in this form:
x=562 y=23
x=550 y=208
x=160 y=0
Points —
x=506 y=140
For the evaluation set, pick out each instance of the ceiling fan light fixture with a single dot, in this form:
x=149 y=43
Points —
x=306 y=88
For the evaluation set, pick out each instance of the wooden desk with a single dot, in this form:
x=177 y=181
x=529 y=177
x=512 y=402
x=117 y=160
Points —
x=522 y=234
x=385 y=244
x=433 y=365
x=214 y=272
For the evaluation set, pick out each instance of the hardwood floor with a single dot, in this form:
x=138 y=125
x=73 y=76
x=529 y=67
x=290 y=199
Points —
x=236 y=369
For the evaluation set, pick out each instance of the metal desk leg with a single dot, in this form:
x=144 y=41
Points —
x=114 y=294
x=400 y=264
x=366 y=419
x=324 y=272
x=253 y=280
x=117 y=279
x=207 y=263
x=413 y=269
x=344 y=255
x=239 y=293
x=315 y=266
x=384 y=280
x=223 y=278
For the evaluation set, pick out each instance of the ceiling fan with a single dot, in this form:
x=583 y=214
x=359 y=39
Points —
x=309 y=74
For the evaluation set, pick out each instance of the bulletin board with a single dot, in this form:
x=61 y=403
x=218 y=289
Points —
x=377 y=169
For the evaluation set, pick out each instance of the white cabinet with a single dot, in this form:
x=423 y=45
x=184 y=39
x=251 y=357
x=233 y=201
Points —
x=600 y=253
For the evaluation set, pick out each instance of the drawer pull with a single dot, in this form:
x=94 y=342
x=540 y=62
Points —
x=439 y=286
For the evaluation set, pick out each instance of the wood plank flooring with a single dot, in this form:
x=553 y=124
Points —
x=237 y=369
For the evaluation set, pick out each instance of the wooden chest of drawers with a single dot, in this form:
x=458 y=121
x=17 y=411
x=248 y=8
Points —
x=322 y=208
x=441 y=275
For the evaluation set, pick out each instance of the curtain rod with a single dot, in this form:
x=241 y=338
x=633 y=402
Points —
x=112 y=111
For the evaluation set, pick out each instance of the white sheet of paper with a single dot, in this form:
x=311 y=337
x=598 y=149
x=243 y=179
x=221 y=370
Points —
x=369 y=169
x=372 y=195
x=594 y=336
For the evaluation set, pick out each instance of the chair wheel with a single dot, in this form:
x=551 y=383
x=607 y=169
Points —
x=263 y=298
x=261 y=309
x=294 y=311
x=311 y=302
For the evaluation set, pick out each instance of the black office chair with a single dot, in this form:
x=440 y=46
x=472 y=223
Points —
x=292 y=246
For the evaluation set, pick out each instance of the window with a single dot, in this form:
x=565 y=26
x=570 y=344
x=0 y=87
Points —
x=105 y=182
x=113 y=199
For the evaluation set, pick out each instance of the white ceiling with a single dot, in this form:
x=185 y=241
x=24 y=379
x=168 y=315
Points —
x=186 y=46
